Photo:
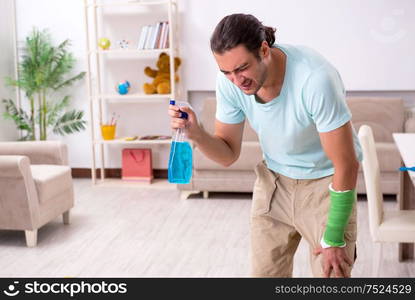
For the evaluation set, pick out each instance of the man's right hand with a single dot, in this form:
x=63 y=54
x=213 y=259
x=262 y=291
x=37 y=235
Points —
x=193 y=129
x=222 y=147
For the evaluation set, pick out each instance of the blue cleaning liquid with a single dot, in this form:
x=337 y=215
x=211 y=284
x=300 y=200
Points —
x=180 y=162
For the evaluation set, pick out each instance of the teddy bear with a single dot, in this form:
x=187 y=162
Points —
x=161 y=81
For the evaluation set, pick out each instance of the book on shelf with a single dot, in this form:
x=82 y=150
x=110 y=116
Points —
x=149 y=37
x=162 y=35
x=154 y=36
x=142 y=38
x=166 y=38
x=157 y=39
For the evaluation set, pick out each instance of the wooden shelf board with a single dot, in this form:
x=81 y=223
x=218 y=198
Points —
x=137 y=142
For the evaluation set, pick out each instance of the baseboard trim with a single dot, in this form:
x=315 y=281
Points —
x=111 y=173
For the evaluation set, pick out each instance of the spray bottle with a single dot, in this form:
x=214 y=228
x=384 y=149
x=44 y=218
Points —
x=181 y=156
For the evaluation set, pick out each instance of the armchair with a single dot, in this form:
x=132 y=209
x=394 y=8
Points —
x=35 y=186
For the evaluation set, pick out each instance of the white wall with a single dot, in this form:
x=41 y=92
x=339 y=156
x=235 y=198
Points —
x=64 y=20
x=8 y=130
x=371 y=42
x=341 y=30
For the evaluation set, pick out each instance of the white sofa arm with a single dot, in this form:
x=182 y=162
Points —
x=39 y=152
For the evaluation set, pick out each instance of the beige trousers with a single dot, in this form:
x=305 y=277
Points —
x=284 y=210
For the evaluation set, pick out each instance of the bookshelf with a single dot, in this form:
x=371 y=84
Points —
x=125 y=20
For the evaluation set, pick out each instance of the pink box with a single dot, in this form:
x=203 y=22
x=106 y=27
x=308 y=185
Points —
x=137 y=165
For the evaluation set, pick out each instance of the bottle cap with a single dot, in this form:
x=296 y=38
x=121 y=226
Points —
x=172 y=102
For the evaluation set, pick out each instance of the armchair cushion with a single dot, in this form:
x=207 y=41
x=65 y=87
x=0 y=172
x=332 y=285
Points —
x=51 y=180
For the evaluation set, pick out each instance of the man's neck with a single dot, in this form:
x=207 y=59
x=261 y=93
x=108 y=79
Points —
x=275 y=79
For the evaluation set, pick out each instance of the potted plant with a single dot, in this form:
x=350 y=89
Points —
x=43 y=73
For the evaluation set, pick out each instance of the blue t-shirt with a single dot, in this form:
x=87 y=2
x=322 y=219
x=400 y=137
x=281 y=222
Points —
x=312 y=100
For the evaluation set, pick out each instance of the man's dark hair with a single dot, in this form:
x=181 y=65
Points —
x=241 y=29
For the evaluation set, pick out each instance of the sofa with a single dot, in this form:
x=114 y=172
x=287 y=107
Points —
x=384 y=115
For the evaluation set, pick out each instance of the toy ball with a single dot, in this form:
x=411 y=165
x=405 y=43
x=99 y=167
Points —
x=123 y=44
x=123 y=87
x=104 y=43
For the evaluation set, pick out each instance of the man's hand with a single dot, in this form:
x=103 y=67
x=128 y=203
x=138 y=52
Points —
x=191 y=124
x=334 y=259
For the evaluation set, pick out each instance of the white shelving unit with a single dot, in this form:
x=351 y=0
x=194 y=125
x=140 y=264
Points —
x=100 y=96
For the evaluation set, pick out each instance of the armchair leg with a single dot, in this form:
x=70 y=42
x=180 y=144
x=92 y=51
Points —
x=31 y=238
x=205 y=194
x=66 y=217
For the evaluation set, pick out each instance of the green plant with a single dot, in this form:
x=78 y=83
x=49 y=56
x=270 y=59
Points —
x=43 y=73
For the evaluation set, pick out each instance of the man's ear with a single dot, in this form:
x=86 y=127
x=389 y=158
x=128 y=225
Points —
x=264 y=50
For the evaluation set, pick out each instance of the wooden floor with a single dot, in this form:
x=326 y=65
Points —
x=143 y=232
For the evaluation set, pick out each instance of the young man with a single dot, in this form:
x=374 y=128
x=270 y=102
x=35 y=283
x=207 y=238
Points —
x=295 y=101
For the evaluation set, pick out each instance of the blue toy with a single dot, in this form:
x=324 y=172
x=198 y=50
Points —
x=123 y=87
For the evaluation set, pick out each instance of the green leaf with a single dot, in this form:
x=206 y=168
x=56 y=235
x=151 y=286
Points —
x=54 y=110
x=70 y=81
x=19 y=116
x=70 y=122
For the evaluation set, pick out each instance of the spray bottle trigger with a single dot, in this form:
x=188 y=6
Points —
x=183 y=115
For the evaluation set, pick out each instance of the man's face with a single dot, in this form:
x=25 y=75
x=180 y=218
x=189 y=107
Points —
x=243 y=68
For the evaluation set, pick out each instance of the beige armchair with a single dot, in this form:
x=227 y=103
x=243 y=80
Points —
x=35 y=186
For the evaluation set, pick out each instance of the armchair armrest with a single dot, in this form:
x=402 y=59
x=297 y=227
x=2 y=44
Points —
x=39 y=152
x=18 y=197
x=14 y=166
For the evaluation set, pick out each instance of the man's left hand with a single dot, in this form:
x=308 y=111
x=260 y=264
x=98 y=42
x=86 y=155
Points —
x=334 y=259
